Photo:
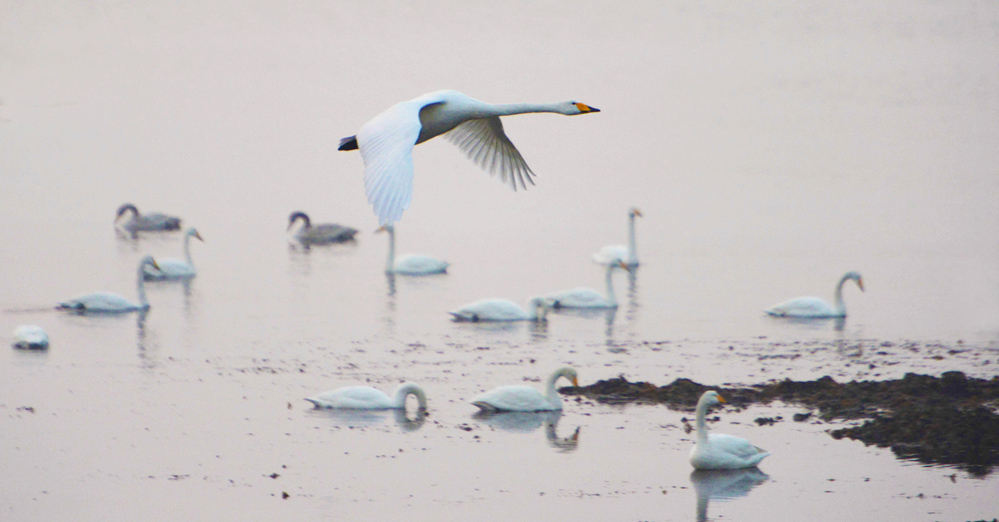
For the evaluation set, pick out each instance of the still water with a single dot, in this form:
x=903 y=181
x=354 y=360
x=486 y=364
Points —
x=771 y=147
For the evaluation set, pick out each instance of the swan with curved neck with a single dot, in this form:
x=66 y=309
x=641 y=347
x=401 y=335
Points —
x=814 y=307
x=368 y=398
x=526 y=398
x=501 y=310
x=153 y=221
x=171 y=268
x=319 y=234
x=410 y=264
x=717 y=450
x=107 y=302
x=587 y=297
x=628 y=254
x=386 y=142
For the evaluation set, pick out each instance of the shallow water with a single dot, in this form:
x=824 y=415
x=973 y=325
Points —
x=771 y=148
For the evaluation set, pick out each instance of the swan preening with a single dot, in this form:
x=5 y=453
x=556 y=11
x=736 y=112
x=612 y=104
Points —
x=720 y=451
x=386 y=143
x=815 y=307
x=628 y=254
x=319 y=234
x=175 y=268
x=153 y=221
x=587 y=297
x=30 y=337
x=368 y=398
x=107 y=302
x=501 y=310
x=525 y=398
x=410 y=264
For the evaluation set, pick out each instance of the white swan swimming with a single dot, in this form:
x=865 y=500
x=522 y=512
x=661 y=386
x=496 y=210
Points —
x=319 y=234
x=501 y=310
x=410 y=264
x=629 y=253
x=587 y=297
x=525 y=398
x=153 y=221
x=30 y=337
x=368 y=398
x=815 y=307
x=720 y=451
x=110 y=303
x=175 y=268
x=386 y=143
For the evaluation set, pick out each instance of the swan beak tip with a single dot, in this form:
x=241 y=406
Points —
x=860 y=283
x=575 y=382
x=380 y=229
x=584 y=108
x=722 y=399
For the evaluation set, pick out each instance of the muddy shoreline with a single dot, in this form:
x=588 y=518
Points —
x=948 y=420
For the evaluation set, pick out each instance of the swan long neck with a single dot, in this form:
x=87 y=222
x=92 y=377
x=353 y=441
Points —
x=187 y=249
x=509 y=109
x=550 y=393
x=702 y=425
x=406 y=389
x=390 y=262
x=611 y=298
x=840 y=305
x=140 y=285
x=632 y=249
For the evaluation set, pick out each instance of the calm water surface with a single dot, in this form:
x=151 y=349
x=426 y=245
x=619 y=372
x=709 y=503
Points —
x=771 y=148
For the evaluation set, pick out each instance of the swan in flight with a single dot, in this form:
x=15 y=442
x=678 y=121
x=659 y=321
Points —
x=719 y=451
x=813 y=306
x=525 y=398
x=386 y=143
x=587 y=297
x=501 y=310
x=30 y=337
x=321 y=234
x=368 y=398
x=175 y=268
x=109 y=303
x=145 y=222
x=410 y=264
x=628 y=254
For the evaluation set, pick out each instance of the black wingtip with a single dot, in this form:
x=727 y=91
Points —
x=348 y=143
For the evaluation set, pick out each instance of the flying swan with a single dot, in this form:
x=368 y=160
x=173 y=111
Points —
x=320 y=234
x=175 y=268
x=386 y=143
x=110 y=303
x=410 y=264
x=368 y=398
x=501 y=310
x=628 y=254
x=813 y=306
x=717 y=450
x=153 y=221
x=525 y=398
x=583 y=297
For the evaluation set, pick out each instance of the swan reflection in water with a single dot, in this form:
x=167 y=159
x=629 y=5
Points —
x=526 y=422
x=723 y=484
x=363 y=418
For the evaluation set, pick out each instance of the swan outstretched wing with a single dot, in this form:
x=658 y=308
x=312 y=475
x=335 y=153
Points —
x=386 y=143
x=485 y=143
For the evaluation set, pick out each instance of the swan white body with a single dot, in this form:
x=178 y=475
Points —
x=525 y=398
x=410 y=264
x=628 y=254
x=813 y=306
x=175 y=268
x=319 y=234
x=368 y=398
x=587 y=297
x=501 y=310
x=153 y=221
x=719 y=451
x=386 y=143
x=111 y=303
x=30 y=337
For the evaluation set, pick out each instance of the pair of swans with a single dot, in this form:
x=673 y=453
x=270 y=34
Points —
x=151 y=222
x=386 y=143
x=111 y=303
x=815 y=308
x=717 y=450
x=319 y=234
x=171 y=268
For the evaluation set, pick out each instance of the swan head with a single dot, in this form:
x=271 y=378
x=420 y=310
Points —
x=710 y=398
x=568 y=373
x=855 y=276
x=296 y=216
x=621 y=264
x=541 y=306
x=634 y=212
x=573 y=108
x=385 y=228
x=194 y=233
x=125 y=208
x=148 y=260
